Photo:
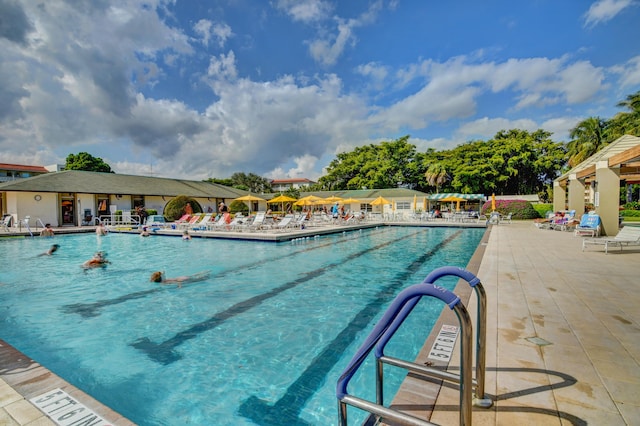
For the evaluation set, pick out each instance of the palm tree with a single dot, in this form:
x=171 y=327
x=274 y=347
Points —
x=627 y=123
x=587 y=138
x=436 y=175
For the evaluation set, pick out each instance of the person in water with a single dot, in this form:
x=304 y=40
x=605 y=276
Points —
x=51 y=250
x=158 y=277
x=99 y=260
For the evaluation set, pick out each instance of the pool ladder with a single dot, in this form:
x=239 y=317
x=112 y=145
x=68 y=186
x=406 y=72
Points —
x=384 y=330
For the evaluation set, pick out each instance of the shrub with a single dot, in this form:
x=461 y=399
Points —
x=634 y=205
x=238 y=206
x=175 y=208
x=543 y=208
x=630 y=213
x=520 y=209
x=152 y=211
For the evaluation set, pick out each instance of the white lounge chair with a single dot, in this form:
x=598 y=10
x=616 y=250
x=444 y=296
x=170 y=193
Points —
x=258 y=222
x=629 y=235
x=201 y=225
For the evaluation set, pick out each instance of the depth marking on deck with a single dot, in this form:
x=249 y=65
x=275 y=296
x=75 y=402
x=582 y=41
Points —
x=64 y=410
x=443 y=345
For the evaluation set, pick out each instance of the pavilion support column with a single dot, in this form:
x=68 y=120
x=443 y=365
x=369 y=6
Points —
x=576 y=195
x=559 y=197
x=607 y=197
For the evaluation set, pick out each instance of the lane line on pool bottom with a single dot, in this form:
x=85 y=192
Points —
x=287 y=409
x=89 y=310
x=164 y=352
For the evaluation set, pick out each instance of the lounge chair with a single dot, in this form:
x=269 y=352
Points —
x=201 y=225
x=6 y=222
x=284 y=223
x=258 y=222
x=589 y=225
x=192 y=221
x=628 y=236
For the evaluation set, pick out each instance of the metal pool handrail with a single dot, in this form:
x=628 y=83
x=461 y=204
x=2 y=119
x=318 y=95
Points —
x=479 y=399
x=410 y=295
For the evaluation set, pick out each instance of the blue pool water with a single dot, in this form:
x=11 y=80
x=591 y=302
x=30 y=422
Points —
x=261 y=342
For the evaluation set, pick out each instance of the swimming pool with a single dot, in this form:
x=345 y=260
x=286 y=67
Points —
x=261 y=342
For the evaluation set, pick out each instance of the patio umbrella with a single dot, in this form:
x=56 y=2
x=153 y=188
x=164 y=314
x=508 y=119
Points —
x=415 y=203
x=309 y=200
x=493 y=202
x=453 y=198
x=331 y=200
x=424 y=204
x=380 y=201
x=249 y=198
x=350 y=201
x=281 y=199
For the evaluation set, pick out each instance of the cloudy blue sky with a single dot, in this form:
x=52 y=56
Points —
x=203 y=88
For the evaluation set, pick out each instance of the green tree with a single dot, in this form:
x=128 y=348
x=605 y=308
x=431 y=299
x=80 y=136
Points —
x=587 y=138
x=87 y=162
x=626 y=123
x=251 y=182
x=387 y=165
x=436 y=175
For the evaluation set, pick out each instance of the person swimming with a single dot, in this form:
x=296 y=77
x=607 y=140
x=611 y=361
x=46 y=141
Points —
x=99 y=260
x=51 y=250
x=158 y=277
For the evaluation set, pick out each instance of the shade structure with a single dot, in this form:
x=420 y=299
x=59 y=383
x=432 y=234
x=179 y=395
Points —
x=380 y=201
x=415 y=203
x=493 y=202
x=249 y=198
x=452 y=198
x=309 y=200
x=350 y=201
x=331 y=199
x=281 y=199
x=424 y=204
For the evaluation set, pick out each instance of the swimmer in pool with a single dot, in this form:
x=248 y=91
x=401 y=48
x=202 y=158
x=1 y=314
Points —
x=99 y=260
x=158 y=277
x=51 y=250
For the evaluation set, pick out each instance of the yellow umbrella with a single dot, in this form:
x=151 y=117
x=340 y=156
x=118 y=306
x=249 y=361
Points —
x=424 y=204
x=309 y=200
x=493 y=202
x=281 y=199
x=415 y=202
x=380 y=201
x=453 y=198
x=350 y=201
x=249 y=198
x=330 y=200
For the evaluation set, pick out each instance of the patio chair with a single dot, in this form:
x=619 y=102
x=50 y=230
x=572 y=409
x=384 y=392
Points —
x=589 y=225
x=6 y=222
x=201 y=225
x=628 y=236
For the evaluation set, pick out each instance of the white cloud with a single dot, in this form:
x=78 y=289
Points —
x=305 y=10
x=629 y=73
x=604 y=10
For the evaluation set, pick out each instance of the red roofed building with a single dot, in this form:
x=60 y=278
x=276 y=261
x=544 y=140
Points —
x=9 y=172
x=280 y=185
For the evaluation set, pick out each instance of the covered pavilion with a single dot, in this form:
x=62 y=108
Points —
x=597 y=181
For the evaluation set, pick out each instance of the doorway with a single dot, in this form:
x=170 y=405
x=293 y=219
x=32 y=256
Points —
x=67 y=210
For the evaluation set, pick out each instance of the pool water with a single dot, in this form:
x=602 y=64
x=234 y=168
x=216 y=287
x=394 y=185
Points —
x=262 y=341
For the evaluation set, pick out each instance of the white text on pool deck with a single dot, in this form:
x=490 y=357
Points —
x=444 y=343
x=65 y=410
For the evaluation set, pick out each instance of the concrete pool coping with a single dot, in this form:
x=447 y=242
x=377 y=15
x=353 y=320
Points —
x=539 y=284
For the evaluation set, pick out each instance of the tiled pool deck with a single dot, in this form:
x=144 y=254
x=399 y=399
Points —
x=539 y=284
